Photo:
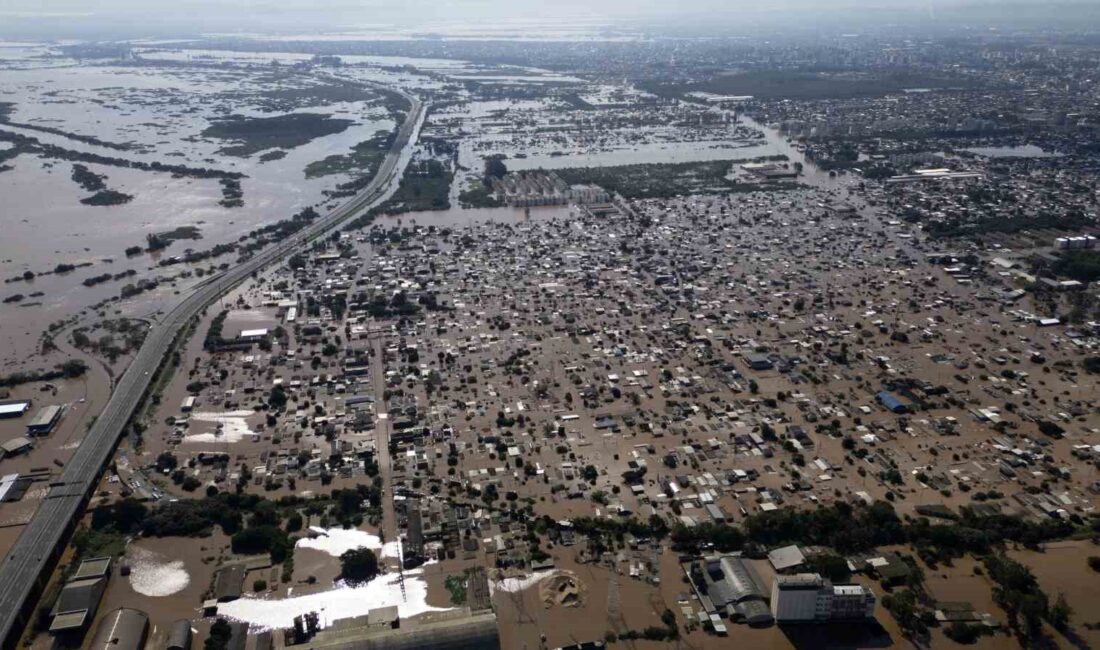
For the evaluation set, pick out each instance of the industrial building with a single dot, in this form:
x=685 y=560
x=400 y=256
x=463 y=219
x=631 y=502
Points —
x=455 y=629
x=733 y=586
x=890 y=402
x=122 y=629
x=809 y=598
x=534 y=188
x=15 y=446
x=14 y=408
x=229 y=583
x=45 y=420
x=758 y=361
x=252 y=336
x=77 y=603
x=179 y=636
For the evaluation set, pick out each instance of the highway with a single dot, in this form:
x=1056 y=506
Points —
x=28 y=566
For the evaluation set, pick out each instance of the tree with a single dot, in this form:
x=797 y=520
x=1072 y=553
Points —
x=277 y=398
x=166 y=462
x=1033 y=607
x=358 y=565
x=155 y=242
x=125 y=515
x=903 y=606
x=495 y=168
x=960 y=632
x=219 y=636
x=831 y=566
x=73 y=368
x=1060 y=613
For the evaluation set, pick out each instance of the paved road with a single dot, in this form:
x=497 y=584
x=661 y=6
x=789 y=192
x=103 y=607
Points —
x=28 y=566
x=382 y=429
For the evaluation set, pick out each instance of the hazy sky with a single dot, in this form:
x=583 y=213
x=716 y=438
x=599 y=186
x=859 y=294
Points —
x=192 y=16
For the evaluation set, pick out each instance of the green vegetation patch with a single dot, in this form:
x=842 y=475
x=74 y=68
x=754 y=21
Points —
x=666 y=180
x=290 y=98
x=364 y=158
x=91 y=542
x=479 y=196
x=426 y=185
x=1083 y=266
x=107 y=197
x=255 y=134
x=70 y=369
x=458 y=585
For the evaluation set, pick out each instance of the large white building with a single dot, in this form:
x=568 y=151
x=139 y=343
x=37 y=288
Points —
x=807 y=598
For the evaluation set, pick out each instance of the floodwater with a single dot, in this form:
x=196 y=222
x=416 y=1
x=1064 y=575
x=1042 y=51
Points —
x=161 y=114
x=648 y=153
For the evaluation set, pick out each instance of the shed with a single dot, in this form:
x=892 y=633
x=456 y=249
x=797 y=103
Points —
x=15 y=446
x=786 y=557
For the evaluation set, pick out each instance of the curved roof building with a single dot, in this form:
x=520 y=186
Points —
x=122 y=629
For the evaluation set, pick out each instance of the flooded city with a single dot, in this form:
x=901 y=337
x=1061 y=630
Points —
x=556 y=333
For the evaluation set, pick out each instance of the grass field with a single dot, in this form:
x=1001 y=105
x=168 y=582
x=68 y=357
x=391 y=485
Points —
x=255 y=134
x=363 y=159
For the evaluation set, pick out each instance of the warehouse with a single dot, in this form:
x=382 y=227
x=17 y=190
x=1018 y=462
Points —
x=891 y=402
x=179 y=635
x=758 y=361
x=252 y=336
x=45 y=420
x=14 y=408
x=75 y=607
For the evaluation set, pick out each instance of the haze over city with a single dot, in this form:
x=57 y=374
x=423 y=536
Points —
x=713 y=18
x=599 y=325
